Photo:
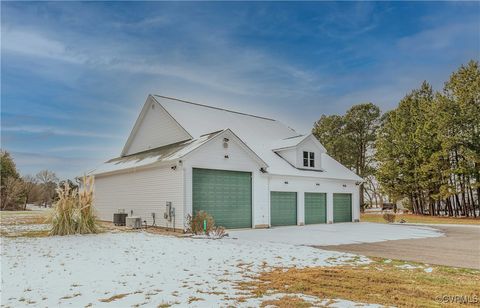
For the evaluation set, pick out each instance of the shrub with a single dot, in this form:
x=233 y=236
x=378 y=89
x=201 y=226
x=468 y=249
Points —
x=219 y=232
x=195 y=224
x=389 y=217
x=73 y=212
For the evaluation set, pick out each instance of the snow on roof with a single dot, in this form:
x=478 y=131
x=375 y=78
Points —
x=288 y=142
x=167 y=153
x=261 y=134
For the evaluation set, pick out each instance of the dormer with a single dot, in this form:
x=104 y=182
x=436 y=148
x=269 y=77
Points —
x=302 y=152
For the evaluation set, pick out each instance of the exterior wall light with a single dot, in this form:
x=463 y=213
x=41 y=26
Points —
x=344 y=185
x=286 y=182
x=318 y=184
x=226 y=156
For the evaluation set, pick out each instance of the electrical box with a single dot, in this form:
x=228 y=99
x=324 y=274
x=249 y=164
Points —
x=133 y=222
x=168 y=211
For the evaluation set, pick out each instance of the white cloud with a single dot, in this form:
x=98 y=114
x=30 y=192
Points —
x=222 y=66
x=58 y=131
x=444 y=37
x=34 y=44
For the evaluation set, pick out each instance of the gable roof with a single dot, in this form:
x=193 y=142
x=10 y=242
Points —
x=260 y=134
x=140 y=119
x=170 y=153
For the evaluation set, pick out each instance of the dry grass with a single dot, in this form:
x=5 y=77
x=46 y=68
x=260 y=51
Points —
x=41 y=233
x=23 y=217
x=377 y=283
x=192 y=299
x=287 y=302
x=73 y=212
x=113 y=298
x=412 y=218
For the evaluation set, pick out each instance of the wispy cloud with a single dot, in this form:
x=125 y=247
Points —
x=84 y=148
x=224 y=74
x=35 y=44
x=58 y=131
x=72 y=85
x=440 y=38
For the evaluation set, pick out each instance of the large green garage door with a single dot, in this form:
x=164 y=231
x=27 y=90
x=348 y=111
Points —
x=283 y=208
x=226 y=195
x=315 y=208
x=342 y=207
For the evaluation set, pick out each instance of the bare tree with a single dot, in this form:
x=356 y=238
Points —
x=31 y=190
x=48 y=182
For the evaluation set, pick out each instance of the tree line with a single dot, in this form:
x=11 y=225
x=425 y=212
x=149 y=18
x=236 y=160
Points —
x=426 y=151
x=17 y=191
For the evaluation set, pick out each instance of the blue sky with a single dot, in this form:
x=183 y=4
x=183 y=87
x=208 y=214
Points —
x=75 y=75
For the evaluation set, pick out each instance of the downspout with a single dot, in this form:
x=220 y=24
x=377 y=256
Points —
x=268 y=202
x=184 y=195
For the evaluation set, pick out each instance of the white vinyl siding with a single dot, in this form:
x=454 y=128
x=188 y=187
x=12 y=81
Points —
x=155 y=130
x=143 y=191
x=212 y=156
x=310 y=147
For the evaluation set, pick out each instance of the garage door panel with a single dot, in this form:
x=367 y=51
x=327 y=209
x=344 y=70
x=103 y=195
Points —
x=226 y=195
x=315 y=208
x=342 y=207
x=283 y=208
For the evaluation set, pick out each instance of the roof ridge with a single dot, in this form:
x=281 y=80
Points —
x=300 y=135
x=212 y=107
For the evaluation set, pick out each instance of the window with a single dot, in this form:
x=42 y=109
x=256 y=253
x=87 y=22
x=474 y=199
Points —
x=309 y=159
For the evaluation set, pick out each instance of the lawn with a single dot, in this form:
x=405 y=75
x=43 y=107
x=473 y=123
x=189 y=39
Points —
x=138 y=268
x=420 y=219
x=386 y=282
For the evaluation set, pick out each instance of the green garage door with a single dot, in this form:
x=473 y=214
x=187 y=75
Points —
x=283 y=208
x=226 y=195
x=315 y=208
x=342 y=207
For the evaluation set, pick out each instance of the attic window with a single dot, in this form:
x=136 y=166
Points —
x=309 y=159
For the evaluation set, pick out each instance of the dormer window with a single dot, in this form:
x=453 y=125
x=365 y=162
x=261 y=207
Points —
x=309 y=159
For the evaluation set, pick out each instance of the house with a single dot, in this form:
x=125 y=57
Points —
x=246 y=171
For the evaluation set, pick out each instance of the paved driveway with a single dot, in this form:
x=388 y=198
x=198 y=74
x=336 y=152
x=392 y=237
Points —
x=335 y=234
x=460 y=247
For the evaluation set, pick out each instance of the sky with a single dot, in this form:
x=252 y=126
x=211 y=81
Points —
x=75 y=75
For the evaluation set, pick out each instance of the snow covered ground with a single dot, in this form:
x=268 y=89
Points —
x=142 y=269
x=127 y=269
x=335 y=234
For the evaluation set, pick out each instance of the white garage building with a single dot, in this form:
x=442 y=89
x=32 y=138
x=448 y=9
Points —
x=246 y=171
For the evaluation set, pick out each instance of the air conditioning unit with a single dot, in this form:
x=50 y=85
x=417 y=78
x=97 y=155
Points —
x=133 y=222
x=119 y=219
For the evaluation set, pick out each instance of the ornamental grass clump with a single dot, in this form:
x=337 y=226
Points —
x=73 y=212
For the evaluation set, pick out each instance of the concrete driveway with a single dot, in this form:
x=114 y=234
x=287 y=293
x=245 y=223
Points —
x=460 y=247
x=335 y=234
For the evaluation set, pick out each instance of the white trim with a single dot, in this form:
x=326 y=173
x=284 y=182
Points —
x=249 y=151
x=129 y=169
x=150 y=100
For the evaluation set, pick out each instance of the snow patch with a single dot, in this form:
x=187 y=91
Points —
x=142 y=268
